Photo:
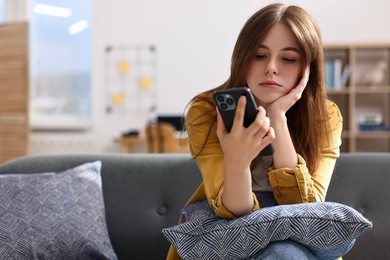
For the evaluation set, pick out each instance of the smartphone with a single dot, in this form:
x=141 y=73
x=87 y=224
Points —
x=226 y=101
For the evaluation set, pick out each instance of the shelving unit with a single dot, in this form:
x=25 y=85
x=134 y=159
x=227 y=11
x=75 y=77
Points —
x=363 y=92
x=14 y=123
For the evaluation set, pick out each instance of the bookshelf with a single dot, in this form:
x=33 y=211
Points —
x=358 y=80
x=14 y=124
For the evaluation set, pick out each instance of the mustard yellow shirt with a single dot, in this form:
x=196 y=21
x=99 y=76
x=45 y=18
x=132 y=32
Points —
x=289 y=185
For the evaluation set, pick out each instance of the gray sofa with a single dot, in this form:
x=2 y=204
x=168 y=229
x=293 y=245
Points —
x=143 y=193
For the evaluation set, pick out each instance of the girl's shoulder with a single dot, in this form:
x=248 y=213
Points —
x=201 y=109
x=335 y=119
x=333 y=111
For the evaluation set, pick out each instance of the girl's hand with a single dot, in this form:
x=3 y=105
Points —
x=283 y=104
x=242 y=144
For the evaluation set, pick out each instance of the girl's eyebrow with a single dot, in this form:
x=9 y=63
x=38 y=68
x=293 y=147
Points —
x=284 y=49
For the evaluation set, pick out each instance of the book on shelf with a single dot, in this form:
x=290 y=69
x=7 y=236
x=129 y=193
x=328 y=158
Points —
x=336 y=75
x=374 y=127
x=372 y=122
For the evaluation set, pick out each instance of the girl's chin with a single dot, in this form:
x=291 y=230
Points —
x=265 y=97
x=264 y=102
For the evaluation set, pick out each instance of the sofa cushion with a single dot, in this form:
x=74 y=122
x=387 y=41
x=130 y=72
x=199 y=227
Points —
x=328 y=229
x=54 y=215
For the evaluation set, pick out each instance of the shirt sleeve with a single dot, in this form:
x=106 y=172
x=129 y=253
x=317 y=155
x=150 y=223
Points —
x=297 y=185
x=205 y=148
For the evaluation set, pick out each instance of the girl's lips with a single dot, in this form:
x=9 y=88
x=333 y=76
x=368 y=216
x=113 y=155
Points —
x=270 y=84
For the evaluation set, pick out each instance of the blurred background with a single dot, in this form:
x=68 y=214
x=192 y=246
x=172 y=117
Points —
x=83 y=76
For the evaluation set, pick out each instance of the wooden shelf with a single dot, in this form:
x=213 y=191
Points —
x=339 y=91
x=361 y=92
x=14 y=124
x=372 y=134
x=371 y=90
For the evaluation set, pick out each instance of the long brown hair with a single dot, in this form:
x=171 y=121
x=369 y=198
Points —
x=307 y=119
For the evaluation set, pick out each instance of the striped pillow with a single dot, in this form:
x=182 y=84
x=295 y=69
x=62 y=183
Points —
x=328 y=229
x=54 y=215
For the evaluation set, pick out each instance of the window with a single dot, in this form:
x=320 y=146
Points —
x=60 y=64
x=2 y=12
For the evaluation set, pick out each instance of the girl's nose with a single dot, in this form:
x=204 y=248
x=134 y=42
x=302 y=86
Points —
x=271 y=68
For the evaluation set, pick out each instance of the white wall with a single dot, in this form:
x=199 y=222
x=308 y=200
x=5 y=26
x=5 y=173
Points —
x=15 y=10
x=194 y=40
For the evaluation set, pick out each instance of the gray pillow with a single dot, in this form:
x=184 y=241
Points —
x=54 y=215
x=328 y=229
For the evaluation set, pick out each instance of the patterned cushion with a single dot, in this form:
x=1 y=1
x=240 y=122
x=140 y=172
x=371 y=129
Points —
x=328 y=229
x=54 y=215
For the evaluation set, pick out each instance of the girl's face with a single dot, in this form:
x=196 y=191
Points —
x=276 y=67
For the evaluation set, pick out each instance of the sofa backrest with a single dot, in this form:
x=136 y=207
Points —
x=362 y=180
x=144 y=193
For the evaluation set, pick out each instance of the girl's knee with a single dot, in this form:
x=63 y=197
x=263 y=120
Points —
x=284 y=250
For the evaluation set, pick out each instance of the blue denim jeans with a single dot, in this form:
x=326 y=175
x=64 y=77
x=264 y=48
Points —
x=283 y=250
x=280 y=250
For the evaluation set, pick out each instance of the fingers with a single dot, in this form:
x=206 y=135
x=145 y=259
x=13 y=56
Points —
x=270 y=136
x=240 y=113
x=296 y=92
x=260 y=127
x=305 y=78
x=245 y=140
x=265 y=133
x=221 y=128
x=306 y=74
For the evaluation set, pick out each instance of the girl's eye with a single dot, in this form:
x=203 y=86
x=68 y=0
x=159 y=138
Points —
x=289 y=60
x=260 y=56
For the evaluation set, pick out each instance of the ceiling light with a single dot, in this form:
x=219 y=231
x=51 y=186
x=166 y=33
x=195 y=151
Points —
x=52 y=10
x=78 y=27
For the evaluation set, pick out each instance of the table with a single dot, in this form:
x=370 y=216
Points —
x=134 y=144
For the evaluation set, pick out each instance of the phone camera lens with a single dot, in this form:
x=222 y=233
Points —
x=224 y=106
x=230 y=101
x=220 y=98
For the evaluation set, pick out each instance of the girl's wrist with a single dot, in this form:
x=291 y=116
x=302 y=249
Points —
x=277 y=118
x=236 y=166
